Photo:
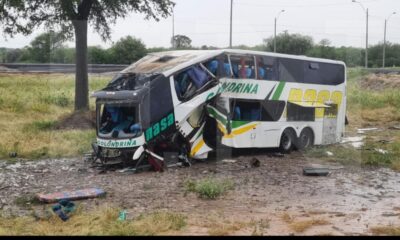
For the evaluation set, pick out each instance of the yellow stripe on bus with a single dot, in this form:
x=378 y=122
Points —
x=197 y=148
x=241 y=131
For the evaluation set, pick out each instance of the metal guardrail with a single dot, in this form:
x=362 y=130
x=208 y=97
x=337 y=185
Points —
x=58 y=68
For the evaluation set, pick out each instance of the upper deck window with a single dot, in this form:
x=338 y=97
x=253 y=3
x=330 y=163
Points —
x=303 y=71
x=267 y=68
x=243 y=67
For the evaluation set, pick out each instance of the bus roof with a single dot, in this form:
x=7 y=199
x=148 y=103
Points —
x=170 y=62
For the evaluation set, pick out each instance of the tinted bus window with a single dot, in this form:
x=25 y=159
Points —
x=267 y=68
x=324 y=73
x=291 y=70
x=272 y=110
x=243 y=67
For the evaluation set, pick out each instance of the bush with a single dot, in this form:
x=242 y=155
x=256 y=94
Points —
x=58 y=100
x=209 y=188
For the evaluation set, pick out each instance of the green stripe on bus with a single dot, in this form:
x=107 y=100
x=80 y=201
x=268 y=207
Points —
x=279 y=91
x=238 y=124
x=216 y=115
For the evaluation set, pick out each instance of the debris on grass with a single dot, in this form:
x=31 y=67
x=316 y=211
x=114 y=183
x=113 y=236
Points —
x=71 y=195
x=255 y=163
x=381 y=151
x=312 y=171
x=356 y=142
x=365 y=130
x=329 y=154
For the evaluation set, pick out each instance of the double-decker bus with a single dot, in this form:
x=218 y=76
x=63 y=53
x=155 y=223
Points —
x=188 y=101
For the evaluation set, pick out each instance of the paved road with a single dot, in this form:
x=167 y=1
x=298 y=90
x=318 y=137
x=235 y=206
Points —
x=58 y=68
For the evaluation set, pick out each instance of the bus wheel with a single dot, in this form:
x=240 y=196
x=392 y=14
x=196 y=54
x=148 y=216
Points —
x=306 y=139
x=287 y=141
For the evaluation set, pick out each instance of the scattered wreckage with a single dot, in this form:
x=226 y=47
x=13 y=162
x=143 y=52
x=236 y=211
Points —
x=171 y=108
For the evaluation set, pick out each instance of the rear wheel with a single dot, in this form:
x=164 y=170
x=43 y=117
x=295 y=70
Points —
x=288 y=140
x=306 y=139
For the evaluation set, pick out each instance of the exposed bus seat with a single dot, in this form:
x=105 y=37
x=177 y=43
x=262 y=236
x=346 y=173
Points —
x=213 y=67
x=235 y=70
x=261 y=73
x=227 y=68
x=199 y=76
x=249 y=73
x=237 y=113
x=255 y=114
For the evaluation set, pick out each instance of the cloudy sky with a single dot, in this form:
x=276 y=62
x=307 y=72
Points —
x=206 y=22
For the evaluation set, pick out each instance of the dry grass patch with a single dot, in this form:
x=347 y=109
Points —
x=302 y=226
x=226 y=228
x=387 y=231
x=102 y=222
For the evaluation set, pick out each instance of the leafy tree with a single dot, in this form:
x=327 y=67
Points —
x=128 y=50
x=157 y=49
x=72 y=17
x=392 y=55
x=295 y=44
x=323 y=50
x=98 y=55
x=181 y=42
x=44 y=46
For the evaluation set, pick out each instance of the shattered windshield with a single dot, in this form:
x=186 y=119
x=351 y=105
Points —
x=159 y=62
x=130 y=81
x=118 y=121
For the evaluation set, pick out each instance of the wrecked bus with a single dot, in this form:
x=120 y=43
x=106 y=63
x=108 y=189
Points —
x=156 y=105
x=188 y=102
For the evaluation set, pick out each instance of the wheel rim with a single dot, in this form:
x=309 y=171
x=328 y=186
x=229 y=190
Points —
x=305 y=141
x=286 y=142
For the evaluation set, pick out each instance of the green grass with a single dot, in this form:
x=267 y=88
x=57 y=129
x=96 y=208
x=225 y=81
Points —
x=31 y=105
x=366 y=156
x=209 y=188
x=101 y=222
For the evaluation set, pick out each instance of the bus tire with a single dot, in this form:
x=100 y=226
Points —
x=288 y=140
x=306 y=139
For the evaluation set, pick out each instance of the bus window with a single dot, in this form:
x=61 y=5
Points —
x=324 y=73
x=291 y=70
x=191 y=81
x=267 y=68
x=247 y=111
x=212 y=66
x=272 y=110
x=243 y=67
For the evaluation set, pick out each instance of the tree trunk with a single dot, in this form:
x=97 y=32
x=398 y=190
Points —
x=81 y=78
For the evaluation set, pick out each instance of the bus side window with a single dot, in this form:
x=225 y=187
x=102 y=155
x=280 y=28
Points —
x=266 y=68
x=247 y=111
x=243 y=67
x=193 y=80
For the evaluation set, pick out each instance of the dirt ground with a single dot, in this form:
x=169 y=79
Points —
x=270 y=200
x=379 y=82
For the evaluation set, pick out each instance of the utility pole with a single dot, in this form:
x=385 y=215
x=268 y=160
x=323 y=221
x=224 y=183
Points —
x=230 y=40
x=366 y=38
x=173 y=29
x=366 y=46
x=384 y=40
x=276 y=19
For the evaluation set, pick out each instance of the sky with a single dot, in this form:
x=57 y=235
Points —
x=206 y=22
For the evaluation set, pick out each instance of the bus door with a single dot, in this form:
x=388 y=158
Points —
x=246 y=128
x=330 y=124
